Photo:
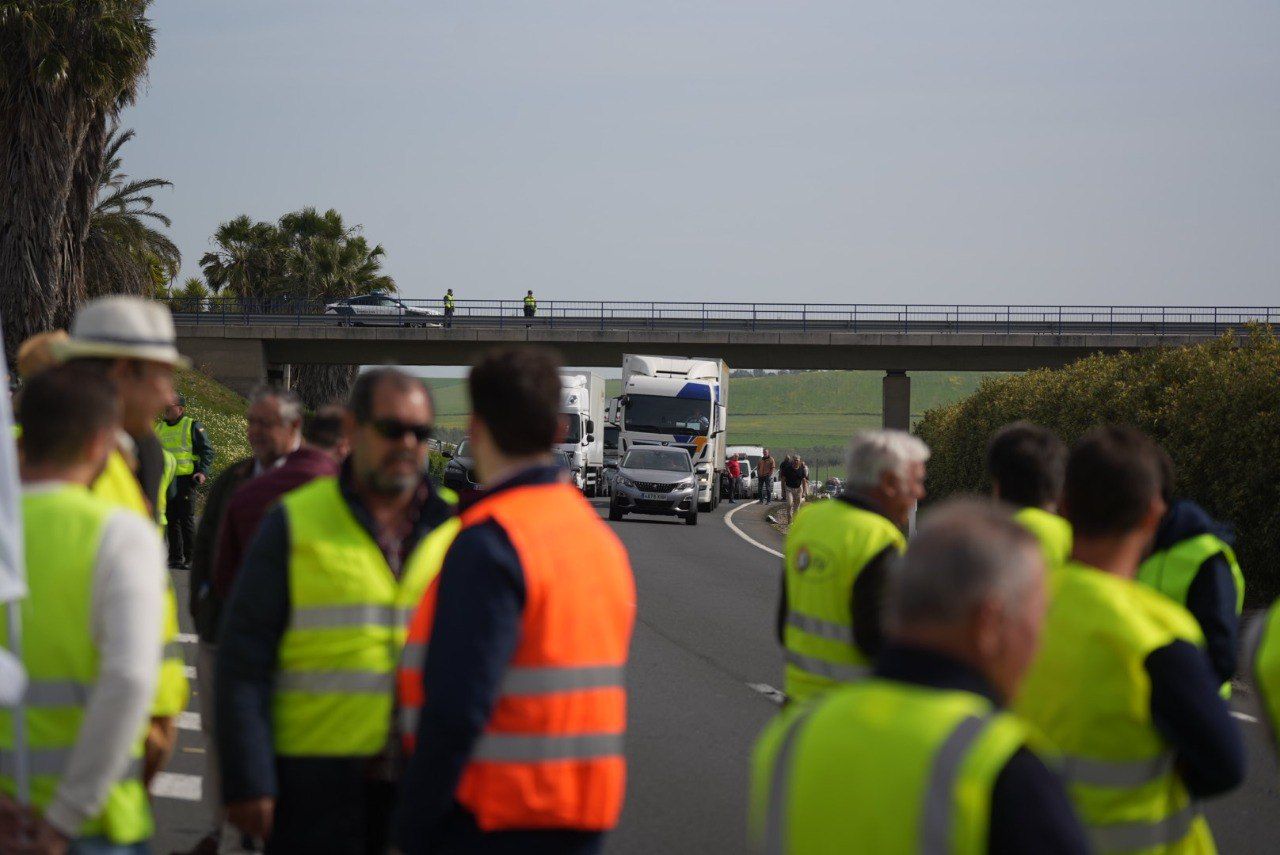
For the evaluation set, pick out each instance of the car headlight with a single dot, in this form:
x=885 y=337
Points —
x=689 y=483
x=624 y=481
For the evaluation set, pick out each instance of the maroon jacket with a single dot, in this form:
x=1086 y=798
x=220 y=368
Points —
x=250 y=503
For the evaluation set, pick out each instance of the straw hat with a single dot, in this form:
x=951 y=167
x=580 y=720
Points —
x=123 y=328
x=36 y=353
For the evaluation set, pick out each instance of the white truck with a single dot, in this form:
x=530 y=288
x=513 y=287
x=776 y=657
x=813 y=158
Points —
x=582 y=407
x=677 y=401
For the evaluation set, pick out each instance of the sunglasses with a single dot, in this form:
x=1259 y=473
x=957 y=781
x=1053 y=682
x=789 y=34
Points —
x=395 y=429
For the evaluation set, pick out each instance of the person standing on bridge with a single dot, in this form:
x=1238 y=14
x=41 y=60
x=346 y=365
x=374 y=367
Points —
x=1026 y=464
x=836 y=559
x=530 y=305
x=1121 y=686
x=516 y=708
x=91 y=626
x=923 y=756
x=315 y=626
x=186 y=439
x=448 y=308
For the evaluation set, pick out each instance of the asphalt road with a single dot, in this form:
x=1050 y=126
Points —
x=703 y=662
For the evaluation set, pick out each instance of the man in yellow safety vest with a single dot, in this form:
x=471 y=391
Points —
x=921 y=756
x=836 y=559
x=186 y=439
x=90 y=633
x=1026 y=464
x=1121 y=688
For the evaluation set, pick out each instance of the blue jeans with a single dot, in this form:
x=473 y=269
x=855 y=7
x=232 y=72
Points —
x=103 y=846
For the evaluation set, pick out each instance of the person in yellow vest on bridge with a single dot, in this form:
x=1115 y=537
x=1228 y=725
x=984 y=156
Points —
x=186 y=439
x=314 y=629
x=1121 y=688
x=922 y=756
x=836 y=558
x=91 y=625
x=132 y=342
x=1026 y=464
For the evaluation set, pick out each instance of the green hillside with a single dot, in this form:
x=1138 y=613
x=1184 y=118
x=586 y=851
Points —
x=222 y=413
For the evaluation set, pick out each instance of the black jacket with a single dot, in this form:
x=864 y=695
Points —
x=204 y=605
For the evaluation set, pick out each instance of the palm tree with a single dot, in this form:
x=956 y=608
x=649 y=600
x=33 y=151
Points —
x=67 y=67
x=245 y=259
x=123 y=252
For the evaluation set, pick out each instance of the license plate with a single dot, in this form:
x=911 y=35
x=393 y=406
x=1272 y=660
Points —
x=655 y=497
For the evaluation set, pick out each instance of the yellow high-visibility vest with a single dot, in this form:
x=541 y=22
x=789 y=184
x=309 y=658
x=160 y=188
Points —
x=1053 y=532
x=179 y=440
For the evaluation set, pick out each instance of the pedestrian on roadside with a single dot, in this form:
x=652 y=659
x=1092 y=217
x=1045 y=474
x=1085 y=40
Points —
x=792 y=476
x=766 y=470
x=1193 y=562
x=1121 y=686
x=836 y=560
x=1026 y=464
x=186 y=439
x=91 y=620
x=923 y=756
x=132 y=342
x=273 y=430
x=448 y=308
x=321 y=454
x=734 y=470
x=516 y=708
x=307 y=728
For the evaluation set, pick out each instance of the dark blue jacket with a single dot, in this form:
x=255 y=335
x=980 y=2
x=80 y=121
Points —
x=1212 y=595
x=477 y=628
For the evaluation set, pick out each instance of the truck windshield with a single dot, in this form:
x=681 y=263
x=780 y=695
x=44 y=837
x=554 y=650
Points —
x=573 y=429
x=660 y=461
x=654 y=414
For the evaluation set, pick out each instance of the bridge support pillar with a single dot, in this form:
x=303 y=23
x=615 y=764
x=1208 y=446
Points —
x=240 y=364
x=896 y=389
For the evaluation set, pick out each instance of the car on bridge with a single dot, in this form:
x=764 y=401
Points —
x=379 y=309
x=655 y=480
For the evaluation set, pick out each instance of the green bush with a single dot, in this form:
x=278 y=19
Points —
x=1214 y=407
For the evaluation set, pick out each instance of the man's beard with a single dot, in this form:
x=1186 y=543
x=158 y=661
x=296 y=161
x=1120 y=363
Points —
x=393 y=485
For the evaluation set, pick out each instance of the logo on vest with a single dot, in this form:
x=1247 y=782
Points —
x=802 y=559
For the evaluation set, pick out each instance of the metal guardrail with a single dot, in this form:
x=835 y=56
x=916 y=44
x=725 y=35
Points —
x=817 y=317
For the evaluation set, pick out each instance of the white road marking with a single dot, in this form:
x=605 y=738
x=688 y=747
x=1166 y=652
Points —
x=728 y=520
x=1243 y=717
x=189 y=721
x=187 y=638
x=775 y=695
x=187 y=788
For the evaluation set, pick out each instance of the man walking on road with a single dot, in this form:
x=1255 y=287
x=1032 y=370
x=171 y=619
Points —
x=923 y=757
x=1026 y=464
x=519 y=710
x=792 y=485
x=734 y=470
x=184 y=438
x=837 y=556
x=91 y=623
x=1121 y=686
x=767 y=466
x=314 y=629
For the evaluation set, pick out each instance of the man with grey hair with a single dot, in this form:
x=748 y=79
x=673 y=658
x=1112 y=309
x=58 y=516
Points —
x=274 y=430
x=922 y=756
x=835 y=562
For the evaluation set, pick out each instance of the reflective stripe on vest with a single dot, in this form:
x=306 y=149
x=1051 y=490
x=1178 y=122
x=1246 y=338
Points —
x=827 y=548
x=1088 y=697
x=881 y=765
x=335 y=679
x=63 y=528
x=551 y=754
x=178 y=440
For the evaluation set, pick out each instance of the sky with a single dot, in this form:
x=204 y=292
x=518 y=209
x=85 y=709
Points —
x=906 y=152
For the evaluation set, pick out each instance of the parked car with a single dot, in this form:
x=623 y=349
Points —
x=460 y=471
x=381 y=310
x=750 y=480
x=655 y=480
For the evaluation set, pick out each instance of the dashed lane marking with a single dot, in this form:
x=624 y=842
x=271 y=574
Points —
x=728 y=520
x=769 y=692
x=1243 y=717
x=189 y=721
x=170 y=785
x=188 y=638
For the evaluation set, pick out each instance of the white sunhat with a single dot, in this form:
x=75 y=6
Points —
x=123 y=328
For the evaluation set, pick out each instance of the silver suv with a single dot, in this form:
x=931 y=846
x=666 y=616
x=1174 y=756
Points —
x=655 y=480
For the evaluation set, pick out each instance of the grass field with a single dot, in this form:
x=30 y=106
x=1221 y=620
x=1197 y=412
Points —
x=222 y=413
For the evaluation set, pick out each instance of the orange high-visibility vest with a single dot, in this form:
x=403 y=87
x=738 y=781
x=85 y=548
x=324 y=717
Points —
x=551 y=754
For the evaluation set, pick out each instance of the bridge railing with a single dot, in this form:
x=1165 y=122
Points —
x=709 y=316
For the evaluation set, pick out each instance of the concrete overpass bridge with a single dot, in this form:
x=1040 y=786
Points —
x=244 y=345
